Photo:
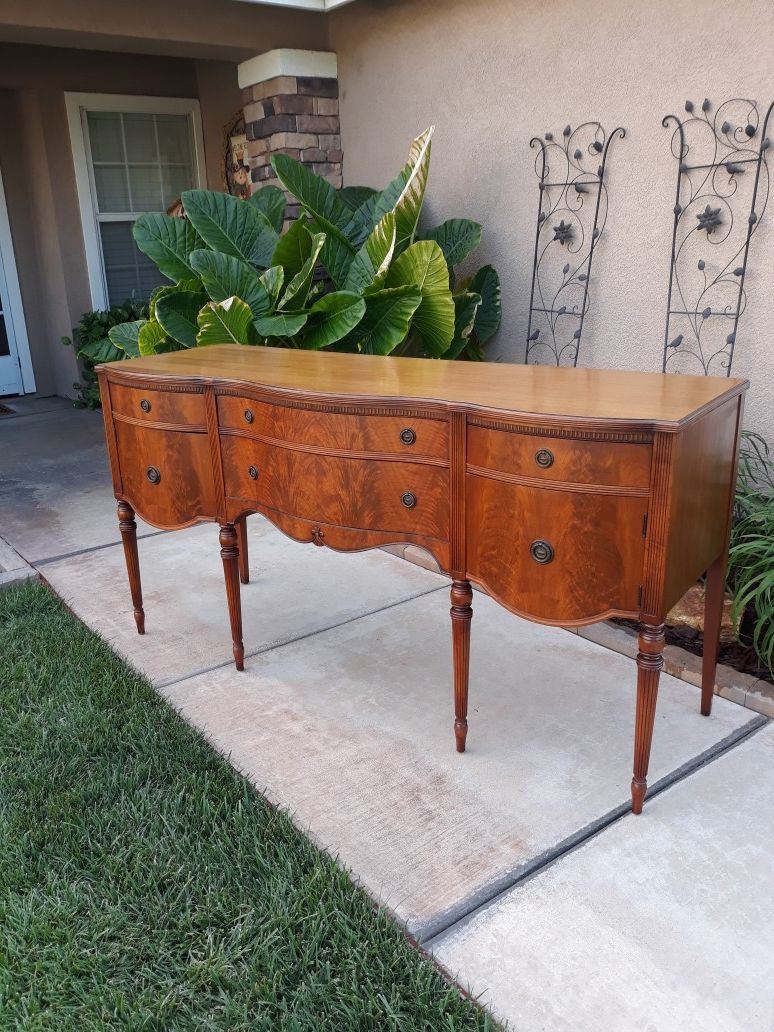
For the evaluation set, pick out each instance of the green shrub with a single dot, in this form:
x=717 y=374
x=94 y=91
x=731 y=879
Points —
x=353 y=273
x=92 y=346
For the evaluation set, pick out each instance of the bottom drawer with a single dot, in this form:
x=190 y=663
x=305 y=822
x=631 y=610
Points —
x=560 y=556
x=166 y=475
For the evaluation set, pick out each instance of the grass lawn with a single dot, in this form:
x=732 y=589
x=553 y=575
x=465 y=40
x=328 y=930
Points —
x=144 y=885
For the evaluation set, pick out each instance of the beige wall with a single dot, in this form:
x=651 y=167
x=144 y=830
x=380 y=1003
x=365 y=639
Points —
x=37 y=165
x=492 y=73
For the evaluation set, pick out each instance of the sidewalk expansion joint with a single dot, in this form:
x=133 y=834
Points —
x=92 y=548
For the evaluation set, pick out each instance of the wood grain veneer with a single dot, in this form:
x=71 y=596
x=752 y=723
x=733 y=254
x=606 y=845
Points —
x=568 y=494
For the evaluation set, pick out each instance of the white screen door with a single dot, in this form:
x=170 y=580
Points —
x=15 y=366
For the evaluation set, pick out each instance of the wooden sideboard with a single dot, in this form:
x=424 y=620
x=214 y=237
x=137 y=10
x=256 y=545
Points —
x=569 y=495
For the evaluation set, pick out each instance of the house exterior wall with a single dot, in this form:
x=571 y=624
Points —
x=37 y=165
x=490 y=74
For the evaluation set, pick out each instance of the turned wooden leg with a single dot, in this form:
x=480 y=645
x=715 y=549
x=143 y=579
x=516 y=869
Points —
x=229 y=551
x=128 y=528
x=649 y=663
x=461 y=614
x=244 y=564
x=713 y=617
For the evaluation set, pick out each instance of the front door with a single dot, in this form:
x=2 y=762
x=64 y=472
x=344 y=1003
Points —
x=15 y=368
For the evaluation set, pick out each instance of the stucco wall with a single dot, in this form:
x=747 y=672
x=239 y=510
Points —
x=491 y=74
x=37 y=164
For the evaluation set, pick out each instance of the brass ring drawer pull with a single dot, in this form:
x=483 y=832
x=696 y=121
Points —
x=544 y=458
x=541 y=552
x=408 y=436
x=249 y=417
x=253 y=473
x=153 y=474
x=409 y=499
x=145 y=405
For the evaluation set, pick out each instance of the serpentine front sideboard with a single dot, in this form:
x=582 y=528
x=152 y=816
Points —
x=569 y=495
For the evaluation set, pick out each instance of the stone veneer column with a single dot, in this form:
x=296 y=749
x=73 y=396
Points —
x=291 y=106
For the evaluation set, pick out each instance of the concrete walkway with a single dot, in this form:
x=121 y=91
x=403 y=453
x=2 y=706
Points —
x=343 y=716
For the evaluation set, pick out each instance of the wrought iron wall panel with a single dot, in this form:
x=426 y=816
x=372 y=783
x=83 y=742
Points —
x=722 y=192
x=571 y=217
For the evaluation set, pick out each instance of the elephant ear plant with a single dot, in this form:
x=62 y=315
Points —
x=353 y=273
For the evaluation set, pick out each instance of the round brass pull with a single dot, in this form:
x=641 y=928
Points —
x=541 y=552
x=409 y=499
x=408 y=436
x=145 y=405
x=253 y=473
x=249 y=417
x=544 y=458
x=153 y=474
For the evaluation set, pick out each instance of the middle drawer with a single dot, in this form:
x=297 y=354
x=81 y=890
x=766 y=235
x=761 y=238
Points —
x=367 y=494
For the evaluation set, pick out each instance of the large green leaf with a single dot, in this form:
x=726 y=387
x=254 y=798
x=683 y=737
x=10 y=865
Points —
x=272 y=279
x=298 y=288
x=231 y=226
x=101 y=350
x=281 y=325
x=456 y=238
x=387 y=319
x=486 y=282
x=125 y=337
x=423 y=265
x=228 y=321
x=355 y=196
x=371 y=263
x=332 y=317
x=177 y=313
x=318 y=197
x=465 y=306
x=224 y=276
x=168 y=242
x=271 y=202
x=404 y=195
x=185 y=284
x=293 y=248
x=152 y=338
x=337 y=258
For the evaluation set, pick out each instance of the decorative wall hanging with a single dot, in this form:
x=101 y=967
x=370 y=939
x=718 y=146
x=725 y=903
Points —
x=236 y=170
x=571 y=217
x=722 y=192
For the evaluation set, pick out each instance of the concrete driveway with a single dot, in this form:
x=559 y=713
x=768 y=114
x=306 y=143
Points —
x=518 y=863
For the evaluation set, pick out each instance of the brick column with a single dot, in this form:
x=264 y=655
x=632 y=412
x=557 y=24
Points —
x=291 y=106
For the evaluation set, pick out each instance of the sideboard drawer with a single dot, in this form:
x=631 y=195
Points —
x=166 y=475
x=341 y=431
x=155 y=406
x=403 y=497
x=558 y=556
x=610 y=464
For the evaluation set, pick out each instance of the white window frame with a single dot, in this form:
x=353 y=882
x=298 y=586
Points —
x=16 y=324
x=77 y=104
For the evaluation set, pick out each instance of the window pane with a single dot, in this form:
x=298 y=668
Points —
x=174 y=139
x=140 y=138
x=145 y=185
x=4 y=348
x=176 y=179
x=105 y=136
x=129 y=273
x=112 y=189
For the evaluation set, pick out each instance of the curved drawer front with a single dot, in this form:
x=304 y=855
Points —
x=559 y=556
x=154 y=406
x=605 y=463
x=402 y=497
x=398 y=435
x=166 y=474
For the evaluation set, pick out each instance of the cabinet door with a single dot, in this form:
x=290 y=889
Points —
x=166 y=475
x=562 y=557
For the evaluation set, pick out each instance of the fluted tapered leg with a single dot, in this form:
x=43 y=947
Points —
x=229 y=551
x=244 y=564
x=713 y=617
x=461 y=615
x=128 y=528
x=649 y=663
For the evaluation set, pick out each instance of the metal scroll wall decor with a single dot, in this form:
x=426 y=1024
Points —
x=571 y=218
x=722 y=192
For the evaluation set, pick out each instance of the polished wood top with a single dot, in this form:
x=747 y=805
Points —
x=653 y=399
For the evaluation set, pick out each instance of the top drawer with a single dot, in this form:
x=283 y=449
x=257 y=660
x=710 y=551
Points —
x=340 y=431
x=154 y=406
x=559 y=459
